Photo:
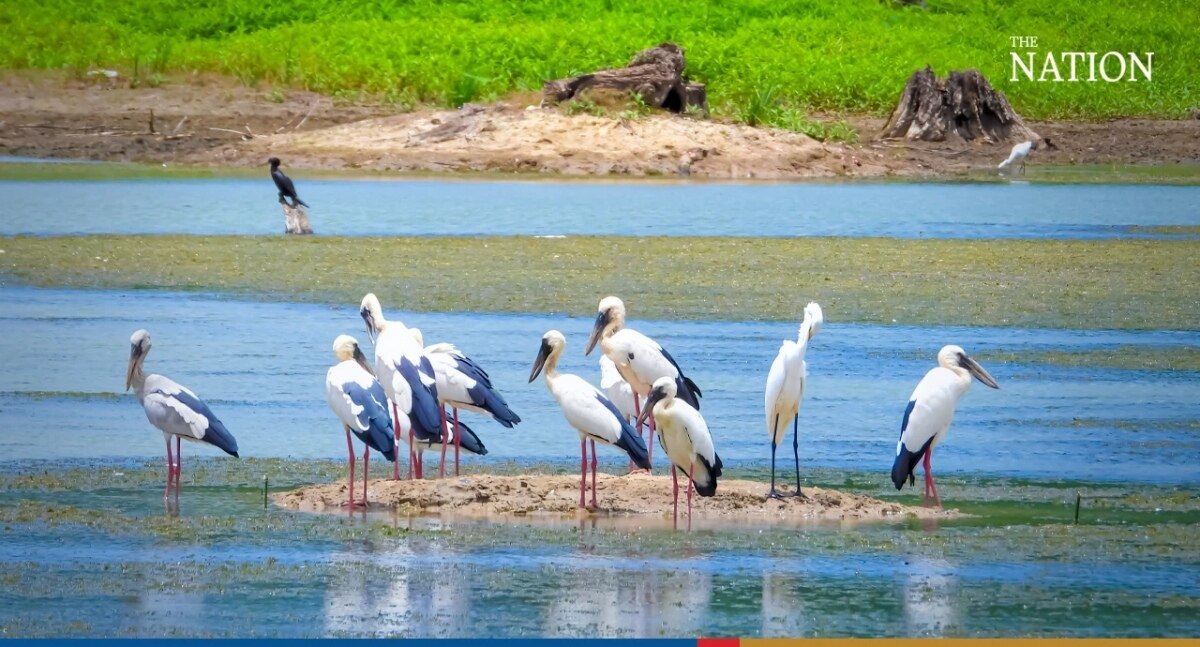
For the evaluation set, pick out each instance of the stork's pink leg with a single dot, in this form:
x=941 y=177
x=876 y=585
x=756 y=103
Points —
x=178 y=462
x=366 y=472
x=457 y=441
x=582 y=469
x=594 y=504
x=928 y=477
x=691 y=471
x=396 y=435
x=937 y=501
x=350 y=481
x=675 y=495
x=170 y=469
x=445 y=441
x=637 y=414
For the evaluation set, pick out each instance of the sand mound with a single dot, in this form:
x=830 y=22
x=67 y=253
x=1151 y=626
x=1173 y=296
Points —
x=485 y=495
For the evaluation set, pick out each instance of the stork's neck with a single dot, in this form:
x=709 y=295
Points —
x=139 y=380
x=551 y=366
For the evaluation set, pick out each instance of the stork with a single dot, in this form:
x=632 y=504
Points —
x=361 y=405
x=785 y=390
x=639 y=359
x=408 y=380
x=174 y=410
x=462 y=384
x=588 y=411
x=930 y=410
x=684 y=435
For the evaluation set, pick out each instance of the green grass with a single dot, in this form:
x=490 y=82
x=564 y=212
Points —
x=1120 y=284
x=761 y=59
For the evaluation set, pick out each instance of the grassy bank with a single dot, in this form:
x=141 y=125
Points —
x=1126 y=284
x=763 y=62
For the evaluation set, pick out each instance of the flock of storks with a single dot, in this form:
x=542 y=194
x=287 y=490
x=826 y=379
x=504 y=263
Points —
x=401 y=398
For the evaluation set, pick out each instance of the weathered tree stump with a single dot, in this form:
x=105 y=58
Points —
x=656 y=75
x=963 y=107
x=295 y=219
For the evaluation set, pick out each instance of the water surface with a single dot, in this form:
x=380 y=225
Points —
x=429 y=207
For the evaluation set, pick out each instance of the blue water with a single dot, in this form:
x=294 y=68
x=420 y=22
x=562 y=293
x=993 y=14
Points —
x=261 y=366
x=359 y=208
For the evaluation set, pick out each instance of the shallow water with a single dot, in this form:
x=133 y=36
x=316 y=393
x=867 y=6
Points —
x=95 y=555
x=261 y=367
x=347 y=207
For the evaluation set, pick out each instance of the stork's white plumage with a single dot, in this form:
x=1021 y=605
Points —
x=684 y=435
x=587 y=410
x=174 y=410
x=1020 y=152
x=463 y=384
x=361 y=405
x=617 y=389
x=929 y=413
x=785 y=390
x=639 y=359
x=409 y=380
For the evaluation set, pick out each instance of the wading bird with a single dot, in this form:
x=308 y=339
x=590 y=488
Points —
x=1021 y=152
x=408 y=379
x=284 y=184
x=785 y=390
x=639 y=359
x=174 y=409
x=684 y=436
x=462 y=384
x=587 y=410
x=360 y=403
x=930 y=410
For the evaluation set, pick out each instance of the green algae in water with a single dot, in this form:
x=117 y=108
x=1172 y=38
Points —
x=1018 y=283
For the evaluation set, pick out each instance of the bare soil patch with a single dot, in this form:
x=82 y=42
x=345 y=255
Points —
x=631 y=495
x=228 y=124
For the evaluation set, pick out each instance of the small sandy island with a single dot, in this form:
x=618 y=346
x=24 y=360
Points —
x=632 y=495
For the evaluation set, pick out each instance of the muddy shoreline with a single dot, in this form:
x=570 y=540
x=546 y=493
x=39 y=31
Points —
x=211 y=121
x=630 y=496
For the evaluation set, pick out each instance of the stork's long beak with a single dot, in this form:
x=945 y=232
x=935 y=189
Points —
x=135 y=354
x=651 y=400
x=540 y=360
x=362 y=360
x=372 y=330
x=597 y=330
x=979 y=372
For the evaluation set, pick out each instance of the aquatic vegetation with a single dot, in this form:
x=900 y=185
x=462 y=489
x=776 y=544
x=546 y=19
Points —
x=1027 y=283
x=1147 y=358
x=446 y=53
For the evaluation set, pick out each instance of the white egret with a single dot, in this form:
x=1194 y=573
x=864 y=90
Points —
x=174 y=410
x=684 y=435
x=1021 y=152
x=588 y=411
x=408 y=379
x=463 y=384
x=360 y=403
x=785 y=390
x=639 y=359
x=930 y=410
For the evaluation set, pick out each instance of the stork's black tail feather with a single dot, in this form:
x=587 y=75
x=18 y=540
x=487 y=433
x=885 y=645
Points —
x=687 y=391
x=707 y=487
x=905 y=463
x=634 y=446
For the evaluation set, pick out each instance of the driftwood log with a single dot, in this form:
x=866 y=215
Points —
x=656 y=75
x=295 y=219
x=962 y=107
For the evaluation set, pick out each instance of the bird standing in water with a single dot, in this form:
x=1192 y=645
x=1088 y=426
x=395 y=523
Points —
x=284 y=184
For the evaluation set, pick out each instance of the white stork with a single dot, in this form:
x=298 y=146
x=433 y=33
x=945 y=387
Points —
x=408 y=379
x=587 y=410
x=785 y=390
x=639 y=359
x=930 y=410
x=619 y=392
x=463 y=384
x=361 y=405
x=174 y=409
x=684 y=436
